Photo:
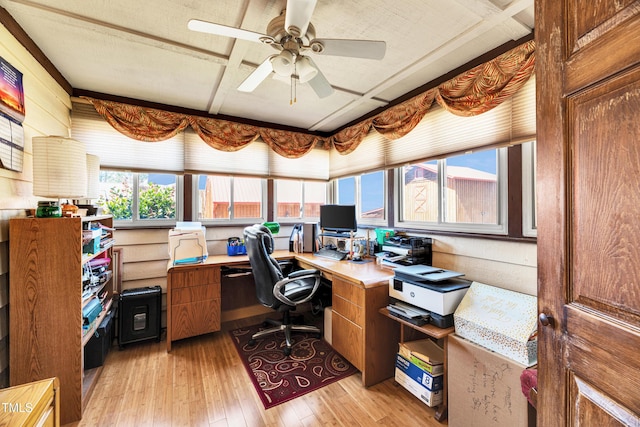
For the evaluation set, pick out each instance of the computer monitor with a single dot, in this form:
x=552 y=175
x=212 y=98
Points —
x=338 y=218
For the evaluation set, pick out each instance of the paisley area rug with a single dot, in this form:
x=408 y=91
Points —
x=279 y=378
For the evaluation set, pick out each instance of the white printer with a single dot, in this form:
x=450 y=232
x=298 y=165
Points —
x=429 y=291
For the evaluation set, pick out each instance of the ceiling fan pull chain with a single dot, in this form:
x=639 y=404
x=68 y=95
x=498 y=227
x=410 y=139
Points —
x=293 y=98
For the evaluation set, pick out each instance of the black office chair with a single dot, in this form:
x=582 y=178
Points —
x=273 y=289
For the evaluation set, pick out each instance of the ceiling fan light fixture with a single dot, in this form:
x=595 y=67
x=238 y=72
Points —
x=306 y=70
x=283 y=63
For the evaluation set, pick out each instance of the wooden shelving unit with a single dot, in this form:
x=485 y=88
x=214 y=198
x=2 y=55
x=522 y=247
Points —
x=433 y=332
x=45 y=306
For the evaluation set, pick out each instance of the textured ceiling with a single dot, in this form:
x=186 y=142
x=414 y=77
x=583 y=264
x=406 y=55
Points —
x=142 y=49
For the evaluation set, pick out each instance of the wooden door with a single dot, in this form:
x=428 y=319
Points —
x=588 y=195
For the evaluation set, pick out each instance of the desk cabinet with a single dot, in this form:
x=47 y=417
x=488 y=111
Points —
x=193 y=305
x=348 y=321
x=32 y=404
x=360 y=333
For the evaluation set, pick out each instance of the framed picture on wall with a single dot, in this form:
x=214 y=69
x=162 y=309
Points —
x=11 y=91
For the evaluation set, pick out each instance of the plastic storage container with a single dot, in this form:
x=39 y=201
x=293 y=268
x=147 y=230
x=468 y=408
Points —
x=98 y=346
x=235 y=246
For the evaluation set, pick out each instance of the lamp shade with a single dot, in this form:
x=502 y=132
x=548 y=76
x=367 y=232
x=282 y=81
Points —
x=93 y=176
x=306 y=71
x=59 y=167
x=283 y=63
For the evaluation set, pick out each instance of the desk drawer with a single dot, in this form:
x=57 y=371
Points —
x=195 y=277
x=347 y=309
x=196 y=318
x=195 y=293
x=347 y=339
x=349 y=291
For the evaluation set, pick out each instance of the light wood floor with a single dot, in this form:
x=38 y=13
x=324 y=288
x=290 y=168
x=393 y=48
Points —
x=202 y=382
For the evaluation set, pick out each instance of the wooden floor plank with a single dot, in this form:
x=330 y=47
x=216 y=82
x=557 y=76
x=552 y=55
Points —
x=204 y=382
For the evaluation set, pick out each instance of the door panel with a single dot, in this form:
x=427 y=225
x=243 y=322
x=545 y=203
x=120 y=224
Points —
x=595 y=408
x=605 y=242
x=588 y=99
x=602 y=41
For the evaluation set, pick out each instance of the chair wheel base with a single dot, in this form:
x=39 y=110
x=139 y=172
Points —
x=252 y=342
x=287 y=351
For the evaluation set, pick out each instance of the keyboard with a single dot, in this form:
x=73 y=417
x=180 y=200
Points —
x=331 y=254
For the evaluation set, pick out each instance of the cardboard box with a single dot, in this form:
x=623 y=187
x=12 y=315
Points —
x=425 y=354
x=483 y=387
x=418 y=375
x=415 y=387
x=327 y=324
x=501 y=320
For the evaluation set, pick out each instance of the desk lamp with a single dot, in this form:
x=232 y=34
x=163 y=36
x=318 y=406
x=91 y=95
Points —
x=59 y=171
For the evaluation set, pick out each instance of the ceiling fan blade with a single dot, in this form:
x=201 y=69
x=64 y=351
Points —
x=259 y=74
x=368 y=49
x=223 y=30
x=297 y=16
x=319 y=83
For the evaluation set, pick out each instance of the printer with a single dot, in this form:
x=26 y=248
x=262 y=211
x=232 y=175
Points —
x=406 y=251
x=423 y=294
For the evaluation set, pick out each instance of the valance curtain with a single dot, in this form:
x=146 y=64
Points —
x=152 y=125
x=471 y=93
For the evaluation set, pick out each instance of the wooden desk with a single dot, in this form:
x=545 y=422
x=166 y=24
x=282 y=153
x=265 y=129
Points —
x=368 y=339
x=359 y=332
x=437 y=333
x=30 y=404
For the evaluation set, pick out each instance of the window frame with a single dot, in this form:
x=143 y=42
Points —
x=370 y=222
x=529 y=214
x=195 y=204
x=301 y=207
x=500 y=229
x=136 y=221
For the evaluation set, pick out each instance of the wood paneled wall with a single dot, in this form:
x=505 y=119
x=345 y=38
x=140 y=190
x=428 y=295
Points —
x=47 y=113
x=505 y=264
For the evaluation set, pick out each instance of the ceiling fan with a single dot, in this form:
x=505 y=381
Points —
x=292 y=34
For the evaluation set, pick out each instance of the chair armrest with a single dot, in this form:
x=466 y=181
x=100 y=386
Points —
x=298 y=275
x=302 y=274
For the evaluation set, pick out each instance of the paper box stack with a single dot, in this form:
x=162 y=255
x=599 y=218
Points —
x=420 y=368
x=500 y=320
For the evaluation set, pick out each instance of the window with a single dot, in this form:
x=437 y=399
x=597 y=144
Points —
x=140 y=198
x=367 y=192
x=297 y=199
x=529 y=220
x=371 y=200
x=229 y=198
x=459 y=193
